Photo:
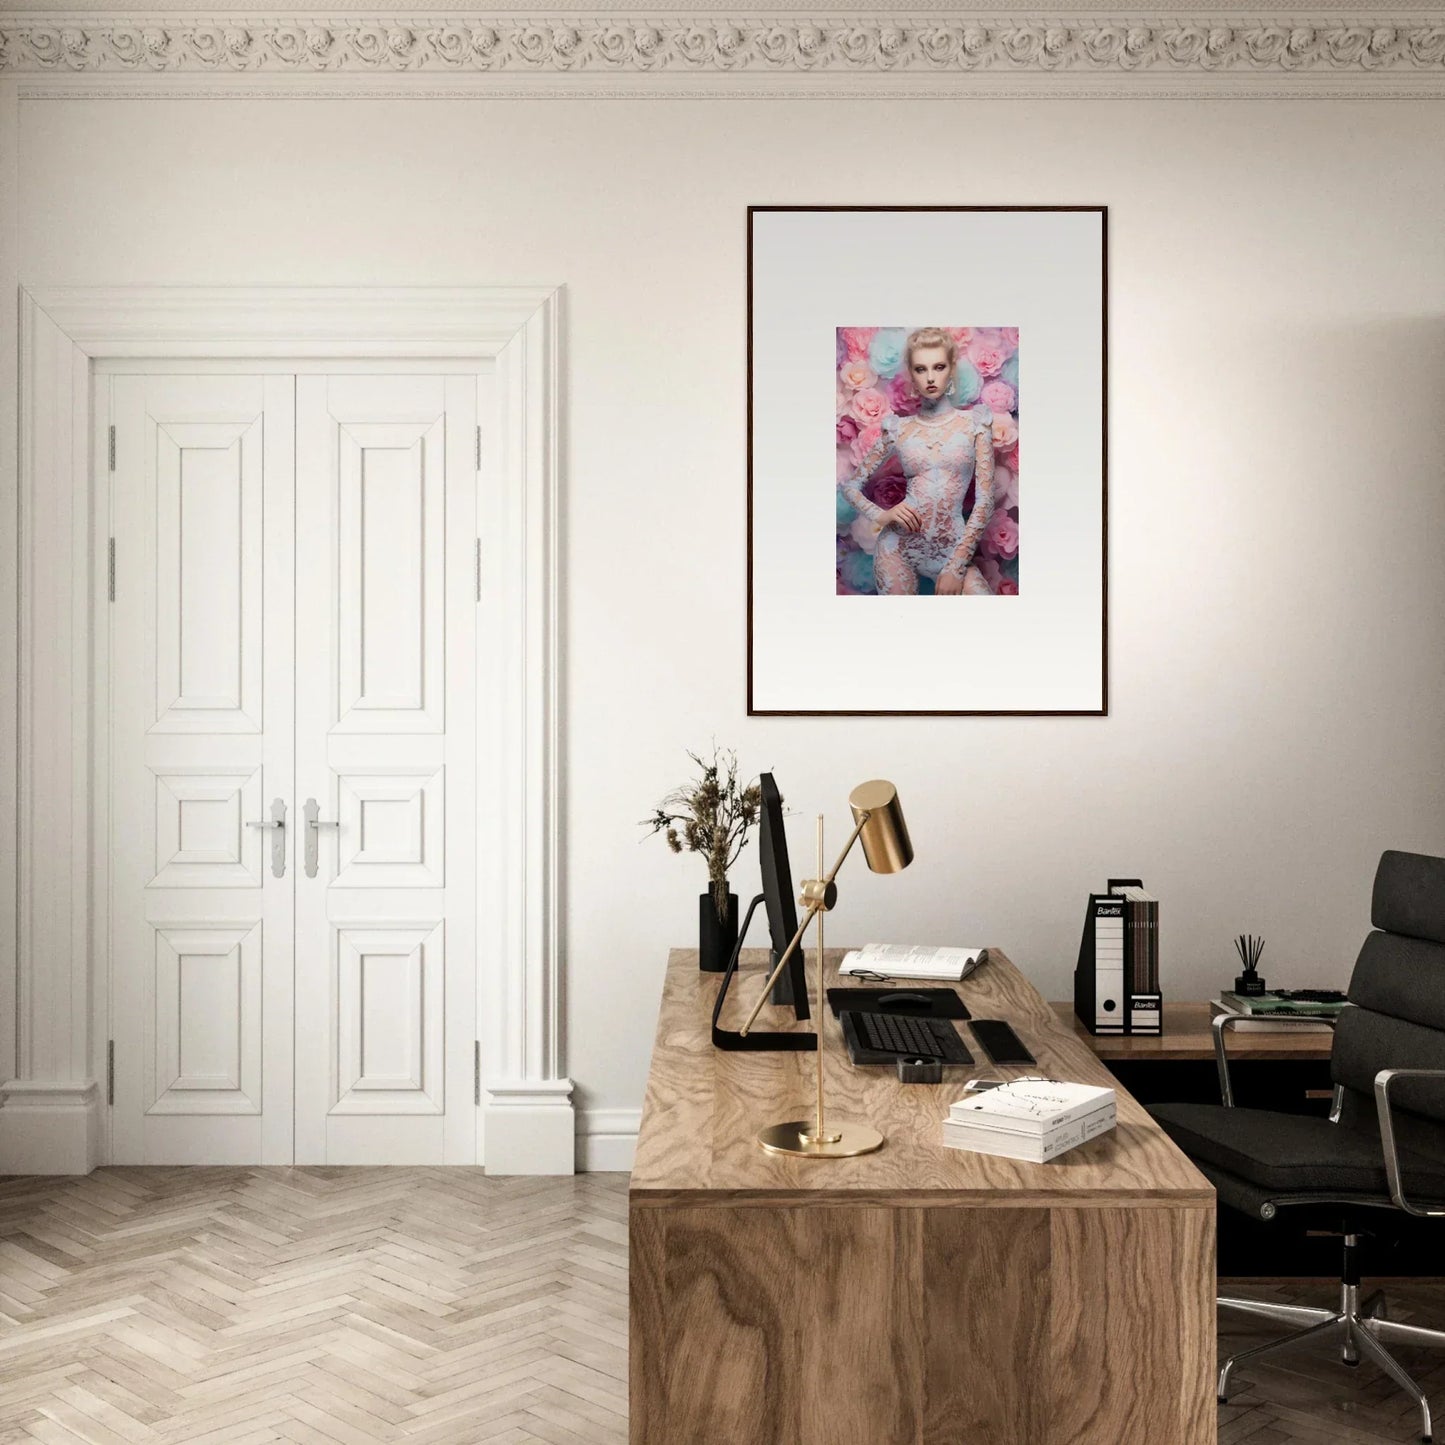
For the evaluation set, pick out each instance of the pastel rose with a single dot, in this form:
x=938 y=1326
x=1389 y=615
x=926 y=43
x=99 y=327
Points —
x=1009 y=336
x=999 y=396
x=962 y=335
x=1002 y=536
x=990 y=569
x=1005 y=488
x=887 y=490
x=864 y=439
x=988 y=335
x=857 y=340
x=902 y=397
x=869 y=405
x=988 y=358
x=1005 y=432
x=855 y=375
x=1007 y=587
x=885 y=355
x=865 y=534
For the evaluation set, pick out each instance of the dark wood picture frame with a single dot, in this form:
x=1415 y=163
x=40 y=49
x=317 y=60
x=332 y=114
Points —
x=1103 y=709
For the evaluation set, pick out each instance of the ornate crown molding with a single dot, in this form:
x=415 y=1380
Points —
x=705 y=46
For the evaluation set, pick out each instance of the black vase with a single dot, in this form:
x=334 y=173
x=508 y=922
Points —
x=716 y=937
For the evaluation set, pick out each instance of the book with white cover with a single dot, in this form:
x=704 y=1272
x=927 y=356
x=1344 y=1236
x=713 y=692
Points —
x=1030 y=1106
x=1031 y=1147
x=904 y=960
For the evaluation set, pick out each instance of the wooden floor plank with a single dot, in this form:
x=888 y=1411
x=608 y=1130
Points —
x=231 y=1306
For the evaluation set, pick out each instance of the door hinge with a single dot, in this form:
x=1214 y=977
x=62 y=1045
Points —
x=479 y=447
x=476 y=1071
x=110 y=570
x=110 y=1071
x=478 y=568
x=111 y=448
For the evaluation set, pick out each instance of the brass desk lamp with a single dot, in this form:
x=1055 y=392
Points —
x=878 y=822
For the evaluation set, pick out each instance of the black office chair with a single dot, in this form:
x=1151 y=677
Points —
x=1385 y=1133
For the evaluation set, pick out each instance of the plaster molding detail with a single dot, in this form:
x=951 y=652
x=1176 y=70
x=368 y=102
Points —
x=1338 y=47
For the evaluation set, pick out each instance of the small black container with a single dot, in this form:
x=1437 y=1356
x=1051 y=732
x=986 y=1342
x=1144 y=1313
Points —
x=716 y=937
x=1247 y=985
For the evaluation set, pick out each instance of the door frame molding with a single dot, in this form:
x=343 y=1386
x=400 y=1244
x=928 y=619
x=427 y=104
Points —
x=54 y=1066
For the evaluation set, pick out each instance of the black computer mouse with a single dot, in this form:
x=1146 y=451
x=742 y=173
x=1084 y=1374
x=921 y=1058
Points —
x=904 y=1000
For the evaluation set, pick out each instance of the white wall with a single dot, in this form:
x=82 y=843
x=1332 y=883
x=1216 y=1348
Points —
x=1278 y=353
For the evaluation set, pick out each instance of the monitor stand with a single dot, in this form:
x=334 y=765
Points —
x=757 y=1040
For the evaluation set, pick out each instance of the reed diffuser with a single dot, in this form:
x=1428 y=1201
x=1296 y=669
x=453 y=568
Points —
x=1249 y=948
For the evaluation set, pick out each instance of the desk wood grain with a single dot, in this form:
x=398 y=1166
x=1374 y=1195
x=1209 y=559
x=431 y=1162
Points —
x=703 y=1108
x=919 y=1295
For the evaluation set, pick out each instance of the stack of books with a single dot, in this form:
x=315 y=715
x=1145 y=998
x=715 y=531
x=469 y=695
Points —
x=1261 y=1010
x=1031 y=1119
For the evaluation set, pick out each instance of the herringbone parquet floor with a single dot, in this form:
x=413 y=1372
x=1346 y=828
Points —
x=431 y=1306
x=323 y=1306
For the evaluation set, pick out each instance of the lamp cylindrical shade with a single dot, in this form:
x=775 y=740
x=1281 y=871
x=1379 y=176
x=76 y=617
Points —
x=885 y=840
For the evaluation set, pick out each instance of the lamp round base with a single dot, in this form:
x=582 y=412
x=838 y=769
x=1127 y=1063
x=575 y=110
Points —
x=795 y=1137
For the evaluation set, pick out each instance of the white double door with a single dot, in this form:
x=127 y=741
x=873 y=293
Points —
x=292 y=769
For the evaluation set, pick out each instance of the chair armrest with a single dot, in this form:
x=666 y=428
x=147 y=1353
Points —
x=1383 y=1080
x=1221 y=1025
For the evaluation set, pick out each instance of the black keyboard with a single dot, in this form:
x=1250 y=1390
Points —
x=899 y=1036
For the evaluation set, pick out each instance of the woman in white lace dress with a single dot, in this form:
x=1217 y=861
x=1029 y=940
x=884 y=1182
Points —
x=941 y=450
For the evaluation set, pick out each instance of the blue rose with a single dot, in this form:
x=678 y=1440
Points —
x=1010 y=371
x=885 y=356
x=847 y=512
x=857 y=572
x=967 y=383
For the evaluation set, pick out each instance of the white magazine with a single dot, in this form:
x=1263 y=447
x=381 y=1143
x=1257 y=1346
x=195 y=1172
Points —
x=905 y=960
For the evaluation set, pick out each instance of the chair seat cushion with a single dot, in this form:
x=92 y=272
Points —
x=1293 y=1153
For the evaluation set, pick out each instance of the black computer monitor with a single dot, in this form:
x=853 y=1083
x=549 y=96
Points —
x=791 y=987
x=777 y=898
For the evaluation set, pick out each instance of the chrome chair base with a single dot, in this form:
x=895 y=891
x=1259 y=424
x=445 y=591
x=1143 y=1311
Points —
x=1360 y=1328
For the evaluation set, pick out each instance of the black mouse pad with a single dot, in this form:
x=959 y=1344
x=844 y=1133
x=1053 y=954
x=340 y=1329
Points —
x=918 y=1003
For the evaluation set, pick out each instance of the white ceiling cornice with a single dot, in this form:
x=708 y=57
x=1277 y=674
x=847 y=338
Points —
x=881 y=51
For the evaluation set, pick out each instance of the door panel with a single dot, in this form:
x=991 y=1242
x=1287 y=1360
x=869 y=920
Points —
x=385 y=728
x=201 y=743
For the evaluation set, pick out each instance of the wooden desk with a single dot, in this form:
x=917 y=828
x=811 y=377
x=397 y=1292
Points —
x=919 y=1295
x=1187 y=1037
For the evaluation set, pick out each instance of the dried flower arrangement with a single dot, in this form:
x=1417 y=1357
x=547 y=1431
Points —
x=711 y=816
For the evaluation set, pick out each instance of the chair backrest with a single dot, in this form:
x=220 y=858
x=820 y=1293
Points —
x=1398 y=992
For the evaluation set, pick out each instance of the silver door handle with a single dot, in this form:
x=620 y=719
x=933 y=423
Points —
x=277 y=820
x=314 y=824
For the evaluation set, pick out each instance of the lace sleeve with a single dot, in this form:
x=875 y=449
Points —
x=877 y=454
x=979 y=517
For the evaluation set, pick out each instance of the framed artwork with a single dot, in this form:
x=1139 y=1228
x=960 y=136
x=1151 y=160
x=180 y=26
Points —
x=920 y=540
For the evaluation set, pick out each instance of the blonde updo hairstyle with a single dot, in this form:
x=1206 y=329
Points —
x=927 y=336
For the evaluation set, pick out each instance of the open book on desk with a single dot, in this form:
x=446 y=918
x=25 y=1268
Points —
x=903 y=960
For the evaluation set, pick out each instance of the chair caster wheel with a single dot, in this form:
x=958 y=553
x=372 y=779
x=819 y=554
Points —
x=1353 y=1364
x=1221 y=1399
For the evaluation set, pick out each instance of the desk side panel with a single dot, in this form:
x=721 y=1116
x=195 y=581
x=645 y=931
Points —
x=949 y=1326
x=1132 y=1327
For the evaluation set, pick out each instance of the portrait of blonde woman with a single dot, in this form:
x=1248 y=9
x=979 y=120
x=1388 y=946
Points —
x=925 y=506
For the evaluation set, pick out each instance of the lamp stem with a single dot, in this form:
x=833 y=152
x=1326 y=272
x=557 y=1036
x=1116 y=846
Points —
x=818 y=1133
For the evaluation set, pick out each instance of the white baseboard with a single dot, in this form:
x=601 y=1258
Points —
x=530 y=1127
x=607 y=1139
x=48 y=1128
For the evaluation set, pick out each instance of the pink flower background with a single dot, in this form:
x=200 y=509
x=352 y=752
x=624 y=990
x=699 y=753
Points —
x=872 y=386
